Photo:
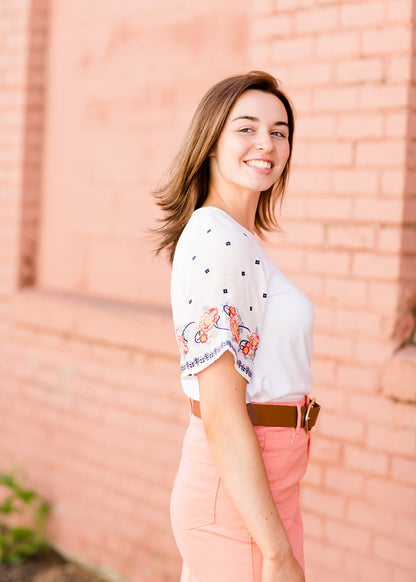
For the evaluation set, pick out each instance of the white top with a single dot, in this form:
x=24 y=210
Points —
x=227 y=294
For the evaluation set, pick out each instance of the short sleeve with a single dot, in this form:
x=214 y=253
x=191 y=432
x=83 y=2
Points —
x=219 y=294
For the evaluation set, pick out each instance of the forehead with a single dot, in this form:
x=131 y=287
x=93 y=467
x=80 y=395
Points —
x=264 y=106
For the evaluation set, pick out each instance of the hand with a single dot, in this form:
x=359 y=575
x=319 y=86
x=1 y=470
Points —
x=286 y=570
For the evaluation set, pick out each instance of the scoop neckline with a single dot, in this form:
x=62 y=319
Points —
x=220 y=210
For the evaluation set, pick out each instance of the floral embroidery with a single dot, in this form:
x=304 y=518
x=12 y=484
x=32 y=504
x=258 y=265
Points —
x=210 y=327
x=208 y=319
x=182 y=343
x=234 y=321
x=254 y=341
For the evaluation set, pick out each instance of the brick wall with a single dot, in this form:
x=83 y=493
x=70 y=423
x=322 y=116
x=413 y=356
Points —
x=87 y=356
x=350 y=244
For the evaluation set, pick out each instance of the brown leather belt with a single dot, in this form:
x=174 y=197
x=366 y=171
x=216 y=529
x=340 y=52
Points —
x=275 y=415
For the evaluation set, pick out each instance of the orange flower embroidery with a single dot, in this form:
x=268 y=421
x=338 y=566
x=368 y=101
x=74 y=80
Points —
x=208 y=319
x=245 y=349
x=183 y=344
x=254 y=341
x=234 y=328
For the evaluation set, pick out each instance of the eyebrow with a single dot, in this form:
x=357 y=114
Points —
x=252 y=118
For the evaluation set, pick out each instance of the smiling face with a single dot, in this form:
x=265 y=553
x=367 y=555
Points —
x=253 y=147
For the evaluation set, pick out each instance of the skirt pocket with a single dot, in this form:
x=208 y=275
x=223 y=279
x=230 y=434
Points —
x=194 y=493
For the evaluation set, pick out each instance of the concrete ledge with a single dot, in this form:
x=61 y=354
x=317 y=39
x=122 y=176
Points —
x=399 y=375
x=149 y=329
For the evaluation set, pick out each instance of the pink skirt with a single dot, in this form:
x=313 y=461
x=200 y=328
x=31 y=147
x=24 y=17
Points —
x=214 y=543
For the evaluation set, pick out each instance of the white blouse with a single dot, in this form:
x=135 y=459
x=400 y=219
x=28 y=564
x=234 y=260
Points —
x=227 y=294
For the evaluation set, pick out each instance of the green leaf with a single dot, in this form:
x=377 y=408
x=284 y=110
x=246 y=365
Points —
x=25 y=495
x=7 y=505
x=7 y=480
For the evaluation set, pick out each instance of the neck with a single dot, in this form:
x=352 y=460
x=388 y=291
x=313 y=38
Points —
x=242 y=208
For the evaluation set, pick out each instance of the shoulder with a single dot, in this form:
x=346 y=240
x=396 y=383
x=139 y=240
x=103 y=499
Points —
x=211 y=236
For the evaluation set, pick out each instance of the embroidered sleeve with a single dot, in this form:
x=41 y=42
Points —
x=220 y=303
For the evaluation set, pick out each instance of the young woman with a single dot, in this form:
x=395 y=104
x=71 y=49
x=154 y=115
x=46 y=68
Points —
x=244 y=333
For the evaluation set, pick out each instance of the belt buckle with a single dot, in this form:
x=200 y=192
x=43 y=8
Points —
x=311 y=405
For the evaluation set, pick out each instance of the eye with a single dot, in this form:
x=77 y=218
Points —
x=278 y=133
x=246 y=130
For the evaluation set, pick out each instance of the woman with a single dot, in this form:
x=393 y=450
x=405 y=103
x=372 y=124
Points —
x=244 y=332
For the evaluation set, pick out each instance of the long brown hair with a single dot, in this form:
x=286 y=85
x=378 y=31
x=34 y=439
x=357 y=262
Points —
x=186 y=188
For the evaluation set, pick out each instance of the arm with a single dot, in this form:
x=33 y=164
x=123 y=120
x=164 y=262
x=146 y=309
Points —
x=236 y=451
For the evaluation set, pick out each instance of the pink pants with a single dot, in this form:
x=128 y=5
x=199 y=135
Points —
x=214 y=543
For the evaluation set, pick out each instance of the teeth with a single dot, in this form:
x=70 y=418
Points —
x=261 y=164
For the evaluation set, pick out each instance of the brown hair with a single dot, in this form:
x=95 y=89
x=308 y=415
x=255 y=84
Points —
x=187 y=186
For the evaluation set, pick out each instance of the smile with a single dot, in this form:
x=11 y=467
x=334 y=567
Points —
x=260 y=164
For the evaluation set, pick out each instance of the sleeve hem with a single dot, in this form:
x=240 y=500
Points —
x=199 y=363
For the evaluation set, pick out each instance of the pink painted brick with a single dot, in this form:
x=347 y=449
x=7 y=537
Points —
x=344 y=481
x=345 y=291
x=342 y=427
x=369 y=265
x=373 y=517
x=325 y=450
x=386 y=153
x=335 y=99
x=386 y=40
x=334 y=262
x=312 y=285
x=383 y=295
x=382 y=97
x=323 y=561
x=366 y=461
x=316 y=20
x=394 y=440
x=311 y=126
x=405 y=528
x=324 y=316
x=371 y=351
x=359 y=15
x=389 y=239
x=328 y=207
x=294 y=207
x=311 y=181
x=367 y=407
x=360 y=125
x=314 y=475
x=332 y=153
x=404 y=470
x=398 y=70
x=310 y=74
x=263 y=7
x=392 y=496
x=305 y=232
x=351 y=236
x=337 y=45
x=364 y=568
x=359 y=70
x=353 y=320
x=313 y=524
x=396 y=124
x=330 y=504
x=401 y=575
x=291 y=50
x=330 y=399
x=338 y=347
x=272 y=26
x=398 y=553
x=348 y=536
x=323 y=372
x=399 y=11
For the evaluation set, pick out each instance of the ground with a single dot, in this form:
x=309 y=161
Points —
x=48 y=566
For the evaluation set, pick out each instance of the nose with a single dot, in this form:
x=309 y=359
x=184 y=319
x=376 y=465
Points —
x=264 y=141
